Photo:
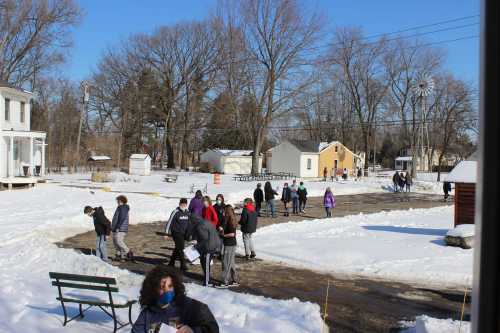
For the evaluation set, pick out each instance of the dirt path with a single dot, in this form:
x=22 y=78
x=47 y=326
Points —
x=355 y=305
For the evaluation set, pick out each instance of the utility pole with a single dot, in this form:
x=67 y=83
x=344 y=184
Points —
x=85 y=98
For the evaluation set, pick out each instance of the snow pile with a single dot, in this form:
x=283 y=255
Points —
x=404 y=246
x=464 y=172
x=462 y=230
x=425 y=324
x=33 y=219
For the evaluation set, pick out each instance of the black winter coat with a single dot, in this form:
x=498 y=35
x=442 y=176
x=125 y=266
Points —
x=102 y=225
x=179 y=223
x=302 y=194
x=248 y=221
x=191 y=312
x=258 y=195
x=219 y=209
x=286 y=195
x=269 y=194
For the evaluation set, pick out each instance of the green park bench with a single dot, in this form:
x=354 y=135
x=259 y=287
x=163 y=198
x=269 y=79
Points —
x=105 y=285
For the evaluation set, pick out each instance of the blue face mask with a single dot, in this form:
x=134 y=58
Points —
x=166 y=298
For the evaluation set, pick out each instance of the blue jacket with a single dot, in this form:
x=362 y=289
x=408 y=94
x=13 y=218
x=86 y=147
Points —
x=120 y=219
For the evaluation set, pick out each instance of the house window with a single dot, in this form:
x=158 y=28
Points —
x=309 y=164
x=336 y=149
x=7 y=109
x=336 y=164
x=23 y=106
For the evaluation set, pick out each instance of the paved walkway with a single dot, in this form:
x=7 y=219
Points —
x=355 y=305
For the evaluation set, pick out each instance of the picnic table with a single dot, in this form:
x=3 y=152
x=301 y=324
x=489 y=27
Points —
x=171 y=178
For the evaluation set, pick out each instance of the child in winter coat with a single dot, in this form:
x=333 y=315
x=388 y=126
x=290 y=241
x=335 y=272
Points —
x=196 y=204
x=302 y=193
x=286 y=197
x=258 y=197
x=208 y=212
x=295 y=197
x=119 y=227
x=329 y=202
x=269 y=194
x=248 y=223
x=229 y=240
x=102 y=228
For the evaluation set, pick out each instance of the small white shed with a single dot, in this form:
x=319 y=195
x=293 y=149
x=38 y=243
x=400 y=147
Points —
x=139 y=164
x=230 y=161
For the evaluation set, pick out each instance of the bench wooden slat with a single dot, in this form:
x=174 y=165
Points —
x=82 y=278
x=95 y=303
x=84 y=286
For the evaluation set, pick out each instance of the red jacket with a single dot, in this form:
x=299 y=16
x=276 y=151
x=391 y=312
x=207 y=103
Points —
x=209 y=214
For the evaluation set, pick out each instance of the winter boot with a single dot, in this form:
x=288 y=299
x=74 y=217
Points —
x=252 y=255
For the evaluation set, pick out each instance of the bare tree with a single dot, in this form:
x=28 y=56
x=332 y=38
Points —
x=33 y=36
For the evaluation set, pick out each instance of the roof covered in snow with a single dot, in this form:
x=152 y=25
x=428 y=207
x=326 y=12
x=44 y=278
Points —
x=4 y=84
x=99 y=158
x=139 y=156
x=234 y=152
x=464 y=172
x=404 y=158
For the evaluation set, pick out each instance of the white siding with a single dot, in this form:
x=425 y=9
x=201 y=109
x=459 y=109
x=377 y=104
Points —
x=285 y=158
x=140 y=167
x=3 y=156
x=15 y=113
x=238 y=164
x=306 y=172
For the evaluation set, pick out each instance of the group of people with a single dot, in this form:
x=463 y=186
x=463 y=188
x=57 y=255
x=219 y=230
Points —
x=296 y=194
x=402 y=182
x=213 y=227
x=117 y=228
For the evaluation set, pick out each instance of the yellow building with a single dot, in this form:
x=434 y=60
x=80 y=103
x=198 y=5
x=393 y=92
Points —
x=337 y=156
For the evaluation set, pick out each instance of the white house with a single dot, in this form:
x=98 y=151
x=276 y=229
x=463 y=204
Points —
x=230 y=161
x=139 y=164
x=300 y=158
x=22 y=151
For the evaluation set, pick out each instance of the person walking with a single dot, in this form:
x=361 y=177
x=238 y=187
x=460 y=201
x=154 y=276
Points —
x=119 y=227
x=333 y=174
x=219 y=207
x=196 y=204
x=325 y=174
x=345 y=174
x=208 y=243
x=302 y=193
x=360 y=173
x=408 y=181
x=209 y=213
x=446 y=190
x=102 y=227
x=177 y=227
x=229 y=275
x=164 y=301
x=258 y=198
x=248 y=223
x=401 y=182
x=286 y=197
x=269 y=194
x=295 y=197
x=395 y=181
x=329 y=202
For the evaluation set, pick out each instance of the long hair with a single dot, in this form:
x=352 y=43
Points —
x=230 y=217
x=198 y=194
x=151 y=284
x=207 y=198
x=267 y=187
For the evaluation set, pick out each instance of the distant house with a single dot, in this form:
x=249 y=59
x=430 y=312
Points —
x=230 y=161
x=429 y=162
x=22 y=151
x=139 y=164
x=464 y=175
x=308 y=158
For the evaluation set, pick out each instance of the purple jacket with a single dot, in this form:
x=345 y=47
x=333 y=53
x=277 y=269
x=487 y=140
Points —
x=196 y=206
x=329 y=200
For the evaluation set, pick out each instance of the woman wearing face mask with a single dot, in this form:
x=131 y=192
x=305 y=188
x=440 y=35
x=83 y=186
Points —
x=208 y=213
x=163 y=300
x=219 y=207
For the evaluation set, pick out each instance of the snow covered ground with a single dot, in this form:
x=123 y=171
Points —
x=425 y=324
x=233 y=191
x=404 y=246
x=32 y=220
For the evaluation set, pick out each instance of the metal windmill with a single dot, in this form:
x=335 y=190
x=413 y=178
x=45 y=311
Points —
x=423 y=87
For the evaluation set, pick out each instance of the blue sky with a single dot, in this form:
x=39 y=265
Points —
x=108 y=21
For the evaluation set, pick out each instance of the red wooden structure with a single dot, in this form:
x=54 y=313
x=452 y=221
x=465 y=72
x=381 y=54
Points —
x=465 y=196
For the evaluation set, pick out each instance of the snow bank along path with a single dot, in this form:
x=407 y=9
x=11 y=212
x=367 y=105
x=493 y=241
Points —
x=32 y=220
x=405 y=246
